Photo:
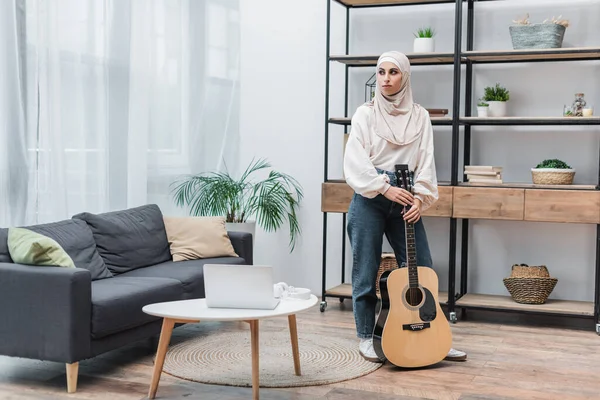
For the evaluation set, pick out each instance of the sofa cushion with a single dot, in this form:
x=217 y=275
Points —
x=192 y=238
x=32 y=248
x=189 y=273
x=129 y=239
x=4 y=253
x=76 y=239
x=117 y=303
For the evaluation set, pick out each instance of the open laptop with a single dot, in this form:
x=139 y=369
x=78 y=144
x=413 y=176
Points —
x=239 y=286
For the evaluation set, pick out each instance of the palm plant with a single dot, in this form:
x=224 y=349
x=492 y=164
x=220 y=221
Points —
x=270 y=200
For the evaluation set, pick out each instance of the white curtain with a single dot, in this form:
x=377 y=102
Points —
x=119 y=98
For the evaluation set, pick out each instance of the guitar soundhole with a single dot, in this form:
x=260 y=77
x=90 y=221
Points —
x=414 y=296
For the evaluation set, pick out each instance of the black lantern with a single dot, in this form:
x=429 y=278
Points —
x=370 y=87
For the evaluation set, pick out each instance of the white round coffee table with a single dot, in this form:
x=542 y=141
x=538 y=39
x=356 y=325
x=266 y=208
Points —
x=191 y=311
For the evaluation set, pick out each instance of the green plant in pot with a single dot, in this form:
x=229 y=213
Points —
x=552 y=171
x=482 y=108
x=424 y=40
x=496 y=96
x=271 y=200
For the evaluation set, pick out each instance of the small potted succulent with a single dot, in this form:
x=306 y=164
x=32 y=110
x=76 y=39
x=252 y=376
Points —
x=482 y=108
x=496 y=97
x=552 y=172
x=424 y=41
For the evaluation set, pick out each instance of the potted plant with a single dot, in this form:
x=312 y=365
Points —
x=496 y=97
x=482 y=108
x=270 y=200
x=552 y=172
x=424 y=41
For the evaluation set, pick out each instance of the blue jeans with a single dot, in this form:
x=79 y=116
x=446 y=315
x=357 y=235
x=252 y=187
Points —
x=368 y=221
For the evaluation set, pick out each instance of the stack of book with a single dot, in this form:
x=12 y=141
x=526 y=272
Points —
x=483 y=174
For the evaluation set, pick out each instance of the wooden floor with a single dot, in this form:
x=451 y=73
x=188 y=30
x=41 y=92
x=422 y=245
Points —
x=507 y=360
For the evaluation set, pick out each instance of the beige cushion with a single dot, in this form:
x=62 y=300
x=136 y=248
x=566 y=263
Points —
x=191 y=238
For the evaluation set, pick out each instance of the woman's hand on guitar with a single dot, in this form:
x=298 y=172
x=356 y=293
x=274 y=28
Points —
x=399 y=195
x=414 y=213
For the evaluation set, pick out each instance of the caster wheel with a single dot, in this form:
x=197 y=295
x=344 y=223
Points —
x=323 y=306
x=453 y=317
x=341 y=300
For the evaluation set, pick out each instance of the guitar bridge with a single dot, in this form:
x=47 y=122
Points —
x=416 y=327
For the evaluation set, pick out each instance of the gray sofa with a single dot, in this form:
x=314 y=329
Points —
x=123 y=262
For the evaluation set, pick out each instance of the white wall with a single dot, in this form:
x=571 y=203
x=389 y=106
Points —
x=282 y=118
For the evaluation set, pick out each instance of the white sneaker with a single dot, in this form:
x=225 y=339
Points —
x=366 y=350
x=456 y=355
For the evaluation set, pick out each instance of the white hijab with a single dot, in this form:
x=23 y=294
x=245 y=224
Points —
x=396 y=116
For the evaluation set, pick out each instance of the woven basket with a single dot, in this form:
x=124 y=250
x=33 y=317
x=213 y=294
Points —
x=537 y=36
x=530 y=284
x=526 y=271
x=388 y=262
x=552 y=176
x=530 y=290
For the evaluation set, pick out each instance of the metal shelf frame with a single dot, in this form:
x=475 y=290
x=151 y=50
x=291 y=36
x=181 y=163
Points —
x=469 y=58
x=368 y=61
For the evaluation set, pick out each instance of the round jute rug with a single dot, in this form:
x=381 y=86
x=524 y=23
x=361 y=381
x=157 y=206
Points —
x=225 y=359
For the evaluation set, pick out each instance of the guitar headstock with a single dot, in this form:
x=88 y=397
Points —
x=404 y=177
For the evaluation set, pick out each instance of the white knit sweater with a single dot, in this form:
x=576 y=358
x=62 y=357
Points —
x=366 y=150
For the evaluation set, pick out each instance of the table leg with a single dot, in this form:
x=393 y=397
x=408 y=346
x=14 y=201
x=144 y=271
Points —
x=294 y=337
x=255 y=353
x=163 y=345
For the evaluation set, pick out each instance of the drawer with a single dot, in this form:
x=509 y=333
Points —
x=488 y=203
x=336 y=197
x=442 y=207
x=576 y=206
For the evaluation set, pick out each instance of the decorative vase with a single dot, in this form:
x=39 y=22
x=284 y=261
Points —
x=497 y=108
x=578 y=105
x=482 y=111
x=424 y=45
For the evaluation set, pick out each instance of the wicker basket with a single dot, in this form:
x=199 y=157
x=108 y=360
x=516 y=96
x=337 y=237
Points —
x=526 y=271
x=552 y=176
x=388 y=262
x=537 y=36
x=530 y=284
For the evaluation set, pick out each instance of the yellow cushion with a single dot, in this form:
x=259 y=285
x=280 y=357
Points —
x=191 y=238
x=31 y=248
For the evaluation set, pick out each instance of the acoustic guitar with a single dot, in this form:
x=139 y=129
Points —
x=411 y=329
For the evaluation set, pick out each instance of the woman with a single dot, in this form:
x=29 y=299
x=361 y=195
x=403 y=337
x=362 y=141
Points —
x=389 y=130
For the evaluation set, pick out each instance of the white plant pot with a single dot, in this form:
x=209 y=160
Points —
x=482 y=111
x=497 y=108
x=424 y=45
x=249 y=227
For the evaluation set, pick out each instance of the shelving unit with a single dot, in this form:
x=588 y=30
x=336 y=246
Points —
x=521 y=201
x=336 y=194
x=460 y=200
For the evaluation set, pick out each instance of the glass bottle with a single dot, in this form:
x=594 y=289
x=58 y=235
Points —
x=578 y=105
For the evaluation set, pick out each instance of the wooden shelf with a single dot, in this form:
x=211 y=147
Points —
x=531 y=55
x=415 y=59
x=506 y=303
x=530 y=120
x=519 y=185
x=375 y=3
x=434 y=121
x=345 y=290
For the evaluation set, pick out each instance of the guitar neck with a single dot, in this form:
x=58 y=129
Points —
x=411 y=255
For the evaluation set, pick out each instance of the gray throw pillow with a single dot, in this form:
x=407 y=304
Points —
x=129 y=239
x=75 y=237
